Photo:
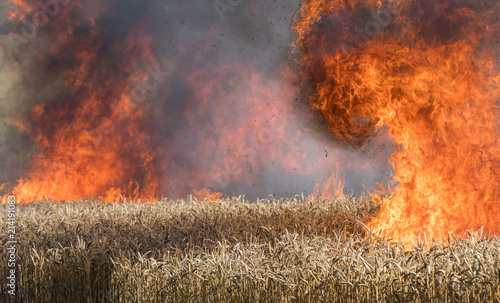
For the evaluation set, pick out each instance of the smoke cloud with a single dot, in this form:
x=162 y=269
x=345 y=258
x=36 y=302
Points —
x=223 y=108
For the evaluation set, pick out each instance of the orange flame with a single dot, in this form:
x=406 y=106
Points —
x=99 y=140
x=427 y=71
x=96 y=144
x=205 y=194
x=332 y=188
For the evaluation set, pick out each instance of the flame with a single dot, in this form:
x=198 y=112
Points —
x=95 y=142
x=216 y=127
x=429 y=72
x=332 y=188
x=206 y=194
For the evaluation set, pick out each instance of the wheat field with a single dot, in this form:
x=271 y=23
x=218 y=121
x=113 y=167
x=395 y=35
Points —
x=286 y=250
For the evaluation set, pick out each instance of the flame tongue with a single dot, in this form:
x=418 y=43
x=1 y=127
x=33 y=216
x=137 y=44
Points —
x=431 y=76
x=95 y=140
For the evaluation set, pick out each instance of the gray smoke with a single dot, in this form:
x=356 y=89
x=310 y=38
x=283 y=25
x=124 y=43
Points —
x=219 y=45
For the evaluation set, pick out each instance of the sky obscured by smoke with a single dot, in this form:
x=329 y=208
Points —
x=242 y=49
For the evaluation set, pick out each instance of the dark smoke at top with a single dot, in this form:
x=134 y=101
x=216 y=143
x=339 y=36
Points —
x=218 y=49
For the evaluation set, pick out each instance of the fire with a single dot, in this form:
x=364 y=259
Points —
x=206 y=194
x=333 y=187
x=94 y=141
x=232 y=131
x=116 y=125
x=428 y=71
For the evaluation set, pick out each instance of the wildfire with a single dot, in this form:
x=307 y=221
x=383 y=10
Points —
x=426 y=73
x=94 y=140
x=429 y=72
x=234 y=129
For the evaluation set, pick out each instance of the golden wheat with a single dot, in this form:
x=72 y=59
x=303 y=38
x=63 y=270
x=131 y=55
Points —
x=236 y=251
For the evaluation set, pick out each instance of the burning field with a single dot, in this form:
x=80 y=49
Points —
x=429 y=73
x=236 y=251
x=387 y=110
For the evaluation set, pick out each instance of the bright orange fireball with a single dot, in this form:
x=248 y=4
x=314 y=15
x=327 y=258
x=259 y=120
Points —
x=429 y=72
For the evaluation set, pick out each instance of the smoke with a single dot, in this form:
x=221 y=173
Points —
x=227 y=112
x=257 y=36
x=25 y=83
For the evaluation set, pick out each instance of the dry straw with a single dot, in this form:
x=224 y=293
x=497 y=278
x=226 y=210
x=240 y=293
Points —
x=236 y=251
